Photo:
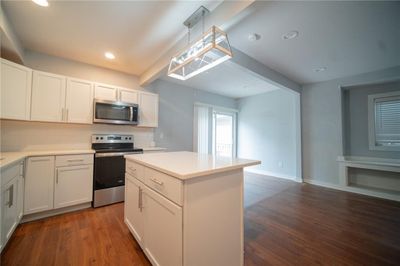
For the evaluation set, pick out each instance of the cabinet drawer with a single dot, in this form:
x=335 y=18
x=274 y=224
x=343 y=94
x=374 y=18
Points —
x=67 y=160
x=166 y=185
x=135 y=170
x=10 y=172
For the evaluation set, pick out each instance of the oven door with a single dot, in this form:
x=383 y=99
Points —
x=109 y=172
x=115 y=112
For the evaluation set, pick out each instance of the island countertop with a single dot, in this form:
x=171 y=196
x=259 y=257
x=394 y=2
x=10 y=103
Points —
x=185 y=165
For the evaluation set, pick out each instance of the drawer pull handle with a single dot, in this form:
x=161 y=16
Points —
x=75 y=160
x=132 y=169
x=158 y=182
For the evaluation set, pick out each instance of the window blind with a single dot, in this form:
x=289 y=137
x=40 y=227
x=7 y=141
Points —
x=387 y=121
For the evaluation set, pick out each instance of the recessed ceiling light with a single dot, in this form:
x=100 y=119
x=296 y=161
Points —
x=320 y=69
x=109 y=55
x=41 y=2
x=290 y=35
x=254 y=37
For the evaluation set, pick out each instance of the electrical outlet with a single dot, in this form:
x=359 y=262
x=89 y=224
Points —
x=161 y=135
x=280 y=164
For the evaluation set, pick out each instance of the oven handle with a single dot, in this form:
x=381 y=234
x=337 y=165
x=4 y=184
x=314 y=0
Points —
x=114 y=154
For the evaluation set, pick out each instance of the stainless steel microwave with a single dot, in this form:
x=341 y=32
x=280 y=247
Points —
x=110 y=112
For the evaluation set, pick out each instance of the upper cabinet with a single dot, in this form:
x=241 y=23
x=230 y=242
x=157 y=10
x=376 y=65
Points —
x=15 y=94
x=56 y=98
x=105 y=92
x=113 y=93
x=41 y=96
x=48 y=97
x=79 y=101
x=148 y=109
x=128 y=96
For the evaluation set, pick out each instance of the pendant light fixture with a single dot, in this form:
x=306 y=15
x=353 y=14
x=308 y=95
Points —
x=211 y=49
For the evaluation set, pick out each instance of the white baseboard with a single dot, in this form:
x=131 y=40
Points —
x=268 y=173
x=361 y=191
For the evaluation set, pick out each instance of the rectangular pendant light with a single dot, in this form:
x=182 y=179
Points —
x=210 y=50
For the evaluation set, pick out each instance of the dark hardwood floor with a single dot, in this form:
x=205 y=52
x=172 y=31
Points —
x=286 y=223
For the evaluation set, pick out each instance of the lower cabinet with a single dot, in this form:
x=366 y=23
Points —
x=134 y=215
x=162 y=229
x=11 y=200
x=73 y=185
x=53 y=182
x=155 y=222
x=9 y=209
x=39 y=183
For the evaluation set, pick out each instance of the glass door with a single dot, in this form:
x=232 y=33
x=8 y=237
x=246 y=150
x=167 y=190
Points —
x=224 y=134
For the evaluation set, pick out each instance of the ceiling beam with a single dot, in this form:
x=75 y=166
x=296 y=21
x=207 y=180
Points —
x=249 y=64
x=223 y=16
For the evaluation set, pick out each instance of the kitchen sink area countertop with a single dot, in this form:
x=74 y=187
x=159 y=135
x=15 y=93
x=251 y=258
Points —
x=7 y=158
x=185 y=165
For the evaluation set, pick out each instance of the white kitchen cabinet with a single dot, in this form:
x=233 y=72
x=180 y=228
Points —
x=10 y=200
x=73 y=185
x=9 y=209
x=39 y=183
x=16 y=84
x=148 y=109
x=48 y=97
x=105 y=92
x=128 y=96
x=133 y=212
x=79 y=101
x=162 y=229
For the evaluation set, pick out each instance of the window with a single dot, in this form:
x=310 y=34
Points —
x=214 y=130
x=384 y=121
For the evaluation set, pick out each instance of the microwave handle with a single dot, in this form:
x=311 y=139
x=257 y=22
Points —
x=131 y=113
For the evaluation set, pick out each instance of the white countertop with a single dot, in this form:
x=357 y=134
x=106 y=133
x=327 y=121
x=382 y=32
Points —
x=7 y=158
x=186 y=165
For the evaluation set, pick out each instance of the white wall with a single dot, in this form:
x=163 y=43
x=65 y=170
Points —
x=175 y=126
x=267 y=131
x=27 y=136
x=57 y=65
x=18 y=135
x=322 y=132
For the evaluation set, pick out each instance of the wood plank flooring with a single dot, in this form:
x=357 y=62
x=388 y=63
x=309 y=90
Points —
x=286 y=223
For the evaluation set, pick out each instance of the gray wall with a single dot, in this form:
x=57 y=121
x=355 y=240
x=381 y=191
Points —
x=175 y=126
x=267 y=131
x=322 y=139
x=356 y=119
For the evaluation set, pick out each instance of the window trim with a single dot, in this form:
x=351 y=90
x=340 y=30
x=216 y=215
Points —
x=371 y=121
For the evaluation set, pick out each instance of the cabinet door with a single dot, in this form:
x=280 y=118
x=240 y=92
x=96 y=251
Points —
x=162 y=229
x=39 y=183
x=105 y=92
x=79 y=101
x=128 y=96
x=48 y=97
x=148 y=109
x=15 y=91
x=133 y=213
x=74 y=185
x=20 y=197
x=9 y=209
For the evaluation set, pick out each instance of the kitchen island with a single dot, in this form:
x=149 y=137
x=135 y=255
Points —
x=185 y=208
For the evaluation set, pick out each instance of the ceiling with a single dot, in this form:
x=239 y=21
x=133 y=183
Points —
x=227 y=79
x=347 y=38
x=137 y=32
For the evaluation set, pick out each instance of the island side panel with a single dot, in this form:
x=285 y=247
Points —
x=213 y=220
